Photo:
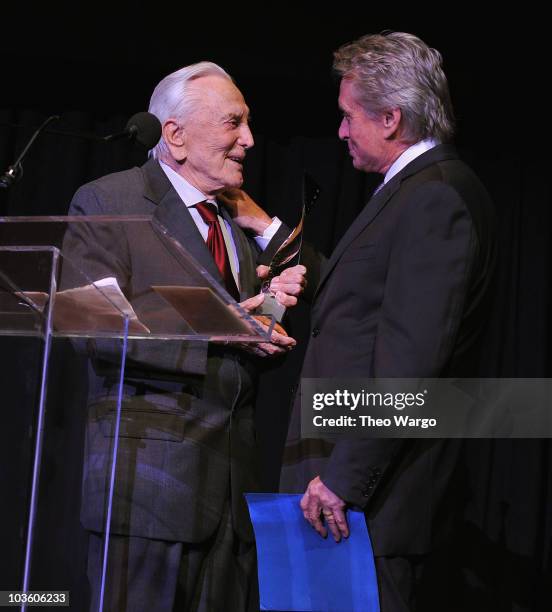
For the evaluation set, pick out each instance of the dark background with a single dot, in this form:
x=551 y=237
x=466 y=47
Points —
x=98 y=66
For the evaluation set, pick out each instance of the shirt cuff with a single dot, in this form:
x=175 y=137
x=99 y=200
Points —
x=268 y=234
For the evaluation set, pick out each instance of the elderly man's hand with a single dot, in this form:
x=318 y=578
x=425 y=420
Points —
x=244 y=210
x=281 y=343
x=319 y=501
x=288 y=285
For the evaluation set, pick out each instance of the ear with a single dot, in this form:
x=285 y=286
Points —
x=174 y=136
x=391 y=122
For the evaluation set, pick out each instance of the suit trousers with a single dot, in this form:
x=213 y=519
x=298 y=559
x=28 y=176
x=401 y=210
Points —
x=420 y=583
x=145 y=575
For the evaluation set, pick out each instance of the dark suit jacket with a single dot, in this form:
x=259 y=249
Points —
x=404 y=295
x=187 y=442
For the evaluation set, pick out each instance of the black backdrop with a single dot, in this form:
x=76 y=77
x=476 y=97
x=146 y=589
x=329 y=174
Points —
x=98 y=68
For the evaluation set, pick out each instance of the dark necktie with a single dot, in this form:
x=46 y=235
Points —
x=217 y=246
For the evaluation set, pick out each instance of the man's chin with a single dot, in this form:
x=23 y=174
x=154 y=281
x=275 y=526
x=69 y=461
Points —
x=232 y=177
x=237 y=182
x=355 y=161
x=363 y=167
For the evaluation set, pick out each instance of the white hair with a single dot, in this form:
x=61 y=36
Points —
x=398 y=70
x=173 y=98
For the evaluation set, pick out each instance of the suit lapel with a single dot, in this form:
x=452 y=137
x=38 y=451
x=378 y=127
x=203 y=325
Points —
x=376 y=204
x=247 y=272
x=365 y=217
x=173 y=214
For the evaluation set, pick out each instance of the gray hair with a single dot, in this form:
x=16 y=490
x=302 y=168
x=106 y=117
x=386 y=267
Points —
x=172 y=97
x=398 y=70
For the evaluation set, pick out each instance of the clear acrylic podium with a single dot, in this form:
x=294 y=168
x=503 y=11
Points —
x=84 y=302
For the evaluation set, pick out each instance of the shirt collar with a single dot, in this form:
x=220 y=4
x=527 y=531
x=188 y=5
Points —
x=408 y=156
x=189 y=194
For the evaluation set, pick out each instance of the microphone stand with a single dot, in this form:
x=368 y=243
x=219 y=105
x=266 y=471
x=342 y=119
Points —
x=15 y=171
x=139 y=128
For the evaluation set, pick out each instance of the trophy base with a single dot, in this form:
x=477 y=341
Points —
x=272 y=307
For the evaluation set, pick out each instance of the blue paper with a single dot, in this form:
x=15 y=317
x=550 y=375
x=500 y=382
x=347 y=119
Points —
x=299 y=570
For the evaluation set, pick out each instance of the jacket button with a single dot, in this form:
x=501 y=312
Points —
x=315 y=332
x=365 y=493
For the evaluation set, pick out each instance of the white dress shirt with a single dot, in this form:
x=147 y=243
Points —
x=409 y=155
x=191 y=196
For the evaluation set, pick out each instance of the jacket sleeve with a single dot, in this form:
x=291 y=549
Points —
x=426 y=290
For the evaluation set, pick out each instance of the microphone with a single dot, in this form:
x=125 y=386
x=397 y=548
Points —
x=143 y=127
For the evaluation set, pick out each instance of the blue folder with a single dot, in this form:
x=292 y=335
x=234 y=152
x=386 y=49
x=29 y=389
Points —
x=299 y=570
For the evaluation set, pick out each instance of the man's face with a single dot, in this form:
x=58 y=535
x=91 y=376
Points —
x=364 y=134
x=216 y=136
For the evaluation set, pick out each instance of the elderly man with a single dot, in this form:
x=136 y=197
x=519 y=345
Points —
x=180 y=532
x=404 y=294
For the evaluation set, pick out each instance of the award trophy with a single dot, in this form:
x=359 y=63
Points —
x=289 y=253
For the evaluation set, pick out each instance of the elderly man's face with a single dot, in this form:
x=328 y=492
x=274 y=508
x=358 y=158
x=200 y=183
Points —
x=217 y=136
x=365 y=135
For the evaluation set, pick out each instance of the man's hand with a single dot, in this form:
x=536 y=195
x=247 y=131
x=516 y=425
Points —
x=288 y=285
x=245 y=211
x=280 y=342
x=319 y=500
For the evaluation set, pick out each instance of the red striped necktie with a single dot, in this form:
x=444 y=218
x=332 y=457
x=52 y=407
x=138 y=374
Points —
x=217 y=246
